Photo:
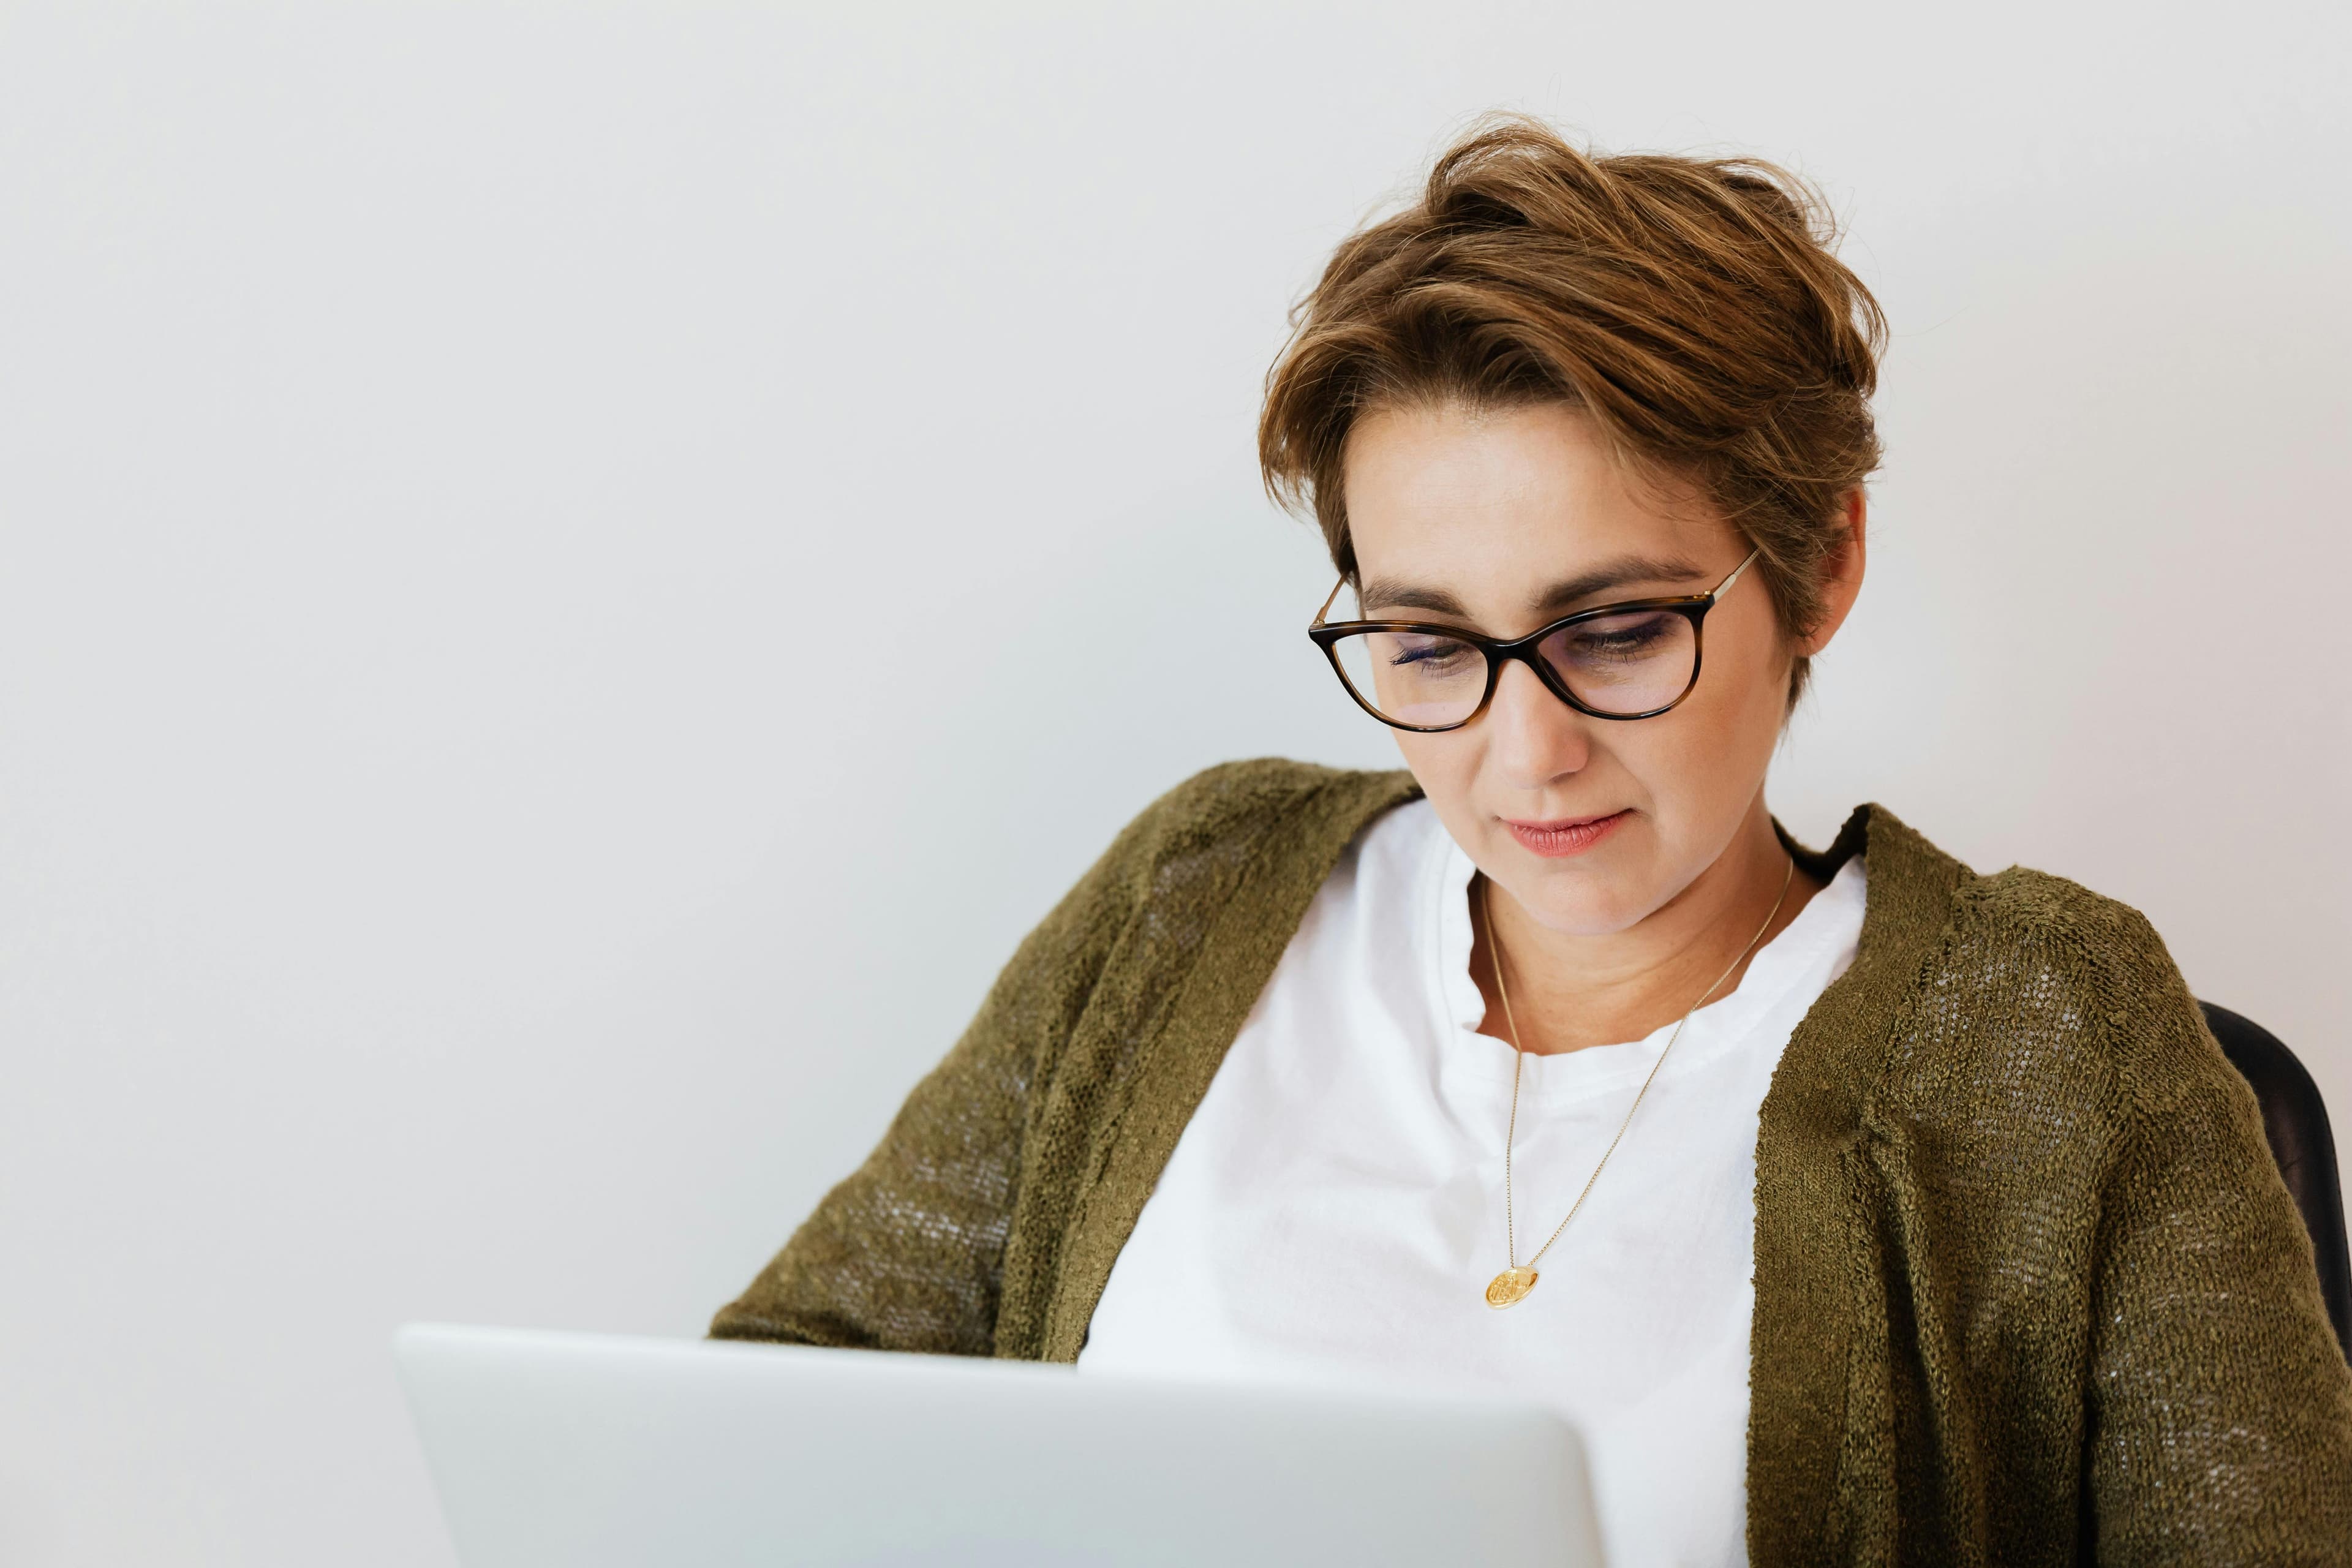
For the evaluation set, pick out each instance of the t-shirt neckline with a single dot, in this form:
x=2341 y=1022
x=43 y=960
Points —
x=1721 y=1025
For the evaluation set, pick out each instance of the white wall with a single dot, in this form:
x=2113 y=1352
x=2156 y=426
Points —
x=490 y=820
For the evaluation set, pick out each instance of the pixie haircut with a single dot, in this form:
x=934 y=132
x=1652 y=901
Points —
x=1694 y=309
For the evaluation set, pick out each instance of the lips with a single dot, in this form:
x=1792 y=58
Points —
x=1564 y=835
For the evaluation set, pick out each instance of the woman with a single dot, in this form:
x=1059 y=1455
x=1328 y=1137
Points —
x=1859 y=1207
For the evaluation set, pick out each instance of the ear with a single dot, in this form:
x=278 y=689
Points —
x=1841 y=577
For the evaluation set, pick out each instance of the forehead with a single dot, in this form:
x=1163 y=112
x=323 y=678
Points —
x=1451 y=493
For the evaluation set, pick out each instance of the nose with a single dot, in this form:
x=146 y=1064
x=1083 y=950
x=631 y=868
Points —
x=1535 y=739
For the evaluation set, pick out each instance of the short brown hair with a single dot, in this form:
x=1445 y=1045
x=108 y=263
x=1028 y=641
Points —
x=1695 y=307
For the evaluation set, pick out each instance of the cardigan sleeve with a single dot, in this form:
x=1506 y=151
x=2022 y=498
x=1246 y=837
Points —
x=906 y=1254
x=2221 y=1406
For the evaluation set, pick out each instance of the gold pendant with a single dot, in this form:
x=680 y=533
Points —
x=1510 y=1288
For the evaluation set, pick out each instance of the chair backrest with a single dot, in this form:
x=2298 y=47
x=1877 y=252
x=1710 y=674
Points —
x=2294 y=1119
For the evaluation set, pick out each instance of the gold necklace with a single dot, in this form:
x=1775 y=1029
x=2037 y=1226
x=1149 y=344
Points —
x=1510 y=1287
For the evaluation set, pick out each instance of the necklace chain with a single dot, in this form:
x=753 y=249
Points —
x=1519 y=1058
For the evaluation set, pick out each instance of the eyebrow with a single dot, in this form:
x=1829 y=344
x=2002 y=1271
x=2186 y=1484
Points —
x=1394 y=594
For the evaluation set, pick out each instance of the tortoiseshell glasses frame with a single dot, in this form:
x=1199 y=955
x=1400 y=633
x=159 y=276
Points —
x=1329 y=636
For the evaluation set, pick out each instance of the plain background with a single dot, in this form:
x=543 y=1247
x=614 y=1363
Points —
x=573 y=578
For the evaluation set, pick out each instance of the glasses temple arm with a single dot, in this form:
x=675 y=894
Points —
x=1327 y=602
x=1725 y=586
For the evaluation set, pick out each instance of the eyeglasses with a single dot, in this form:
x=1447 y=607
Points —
x=1632 y=660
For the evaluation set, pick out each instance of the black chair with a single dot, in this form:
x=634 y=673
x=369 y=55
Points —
x=2296 y=1122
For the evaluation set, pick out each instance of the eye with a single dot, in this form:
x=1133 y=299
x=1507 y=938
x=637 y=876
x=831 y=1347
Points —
x=1614 y=639
x=1428 y=655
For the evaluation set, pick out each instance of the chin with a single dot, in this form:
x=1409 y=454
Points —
x=1581 y=896
x=1585 y=917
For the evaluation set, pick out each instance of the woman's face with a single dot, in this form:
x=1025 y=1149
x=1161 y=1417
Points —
x=1503 y=522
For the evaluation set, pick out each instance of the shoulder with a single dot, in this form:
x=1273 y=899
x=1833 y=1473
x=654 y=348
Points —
x=2101 y=934
x=2019 y=927
x=1244 y=793
x=1266 y=808
x=1268 y=824
x=2032 y=961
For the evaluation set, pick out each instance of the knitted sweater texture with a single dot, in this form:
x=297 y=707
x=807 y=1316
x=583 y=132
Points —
x=2029 y=1288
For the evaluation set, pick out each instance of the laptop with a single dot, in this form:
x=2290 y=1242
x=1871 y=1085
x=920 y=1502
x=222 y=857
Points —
x=588 y=1452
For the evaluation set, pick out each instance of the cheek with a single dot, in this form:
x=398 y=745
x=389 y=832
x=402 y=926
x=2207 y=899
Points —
x=1719 y=754
x=1442 y=764
x=1690 y=770
x=1699 y=766
x=1447 y=768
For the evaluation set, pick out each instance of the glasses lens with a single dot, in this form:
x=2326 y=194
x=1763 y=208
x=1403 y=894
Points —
x=1413 y=678
x=1636 y=662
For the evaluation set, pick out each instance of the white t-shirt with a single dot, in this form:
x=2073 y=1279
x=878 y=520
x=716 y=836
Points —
x=1336 y=1203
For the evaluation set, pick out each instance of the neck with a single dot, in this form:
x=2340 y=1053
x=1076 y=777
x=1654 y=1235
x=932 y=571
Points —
x=1569 y=991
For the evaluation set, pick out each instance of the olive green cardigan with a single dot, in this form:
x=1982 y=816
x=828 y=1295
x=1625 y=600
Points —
x=2028 y=1286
